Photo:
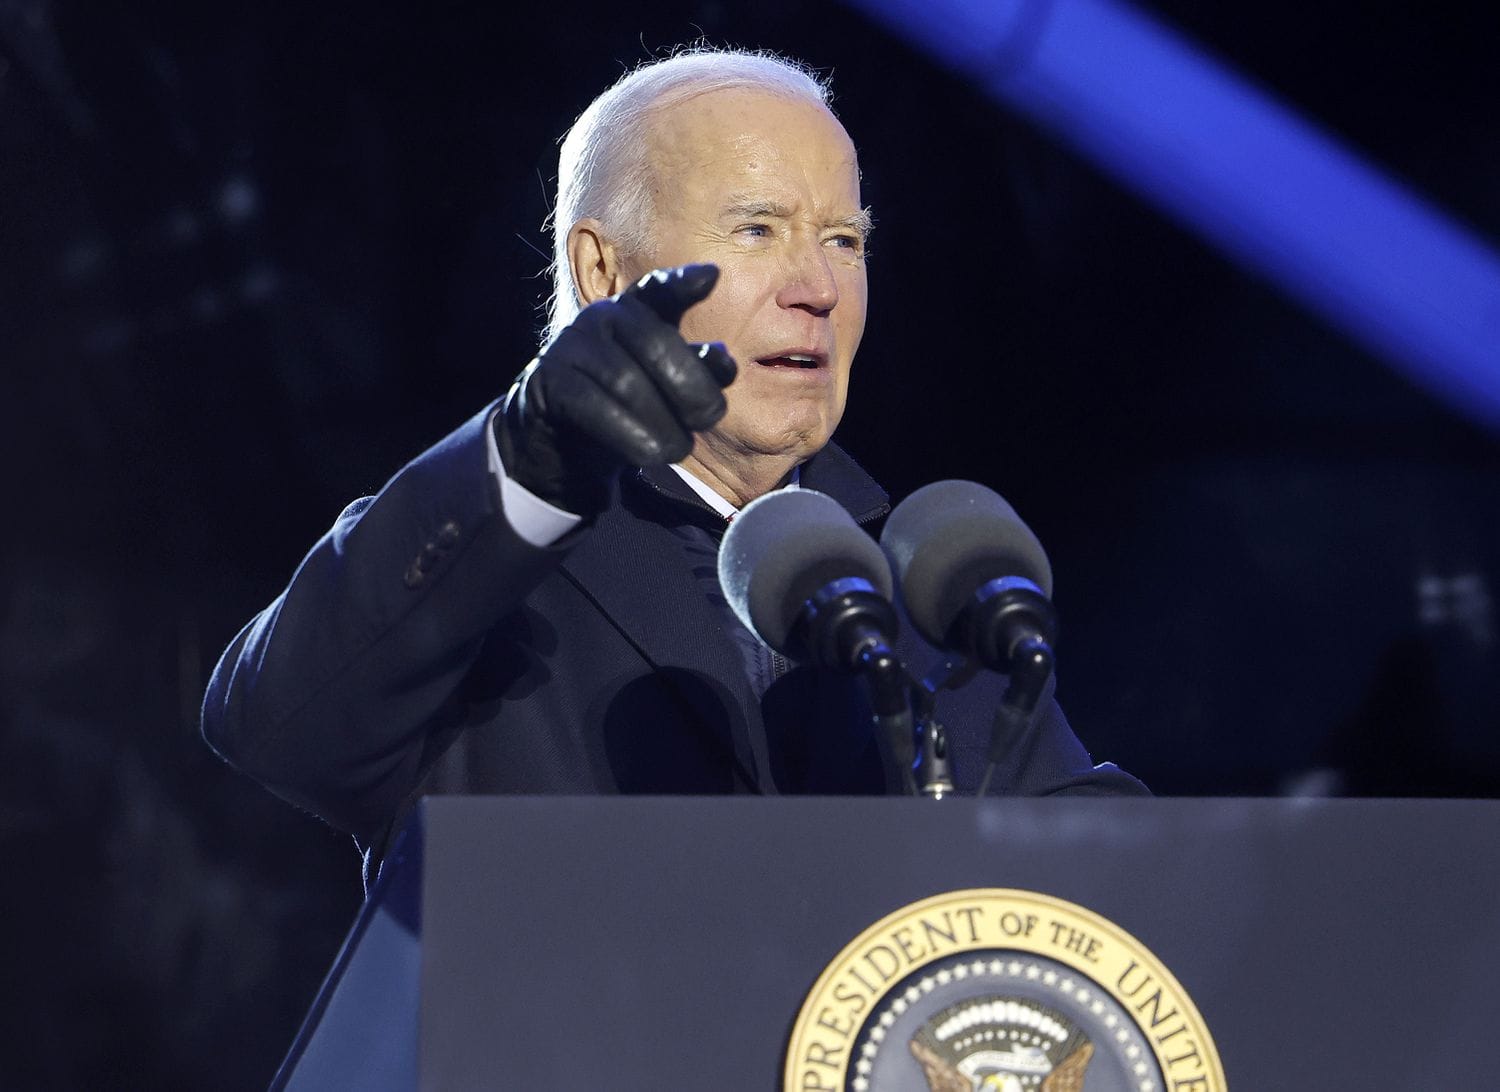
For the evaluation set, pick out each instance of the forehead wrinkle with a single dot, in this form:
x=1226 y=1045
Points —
x=748 y=205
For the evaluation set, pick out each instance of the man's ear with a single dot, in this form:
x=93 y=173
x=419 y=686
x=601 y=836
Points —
x=598 y=271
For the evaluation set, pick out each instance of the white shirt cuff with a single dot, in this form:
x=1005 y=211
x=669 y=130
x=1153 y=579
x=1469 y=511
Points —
x=530 y=517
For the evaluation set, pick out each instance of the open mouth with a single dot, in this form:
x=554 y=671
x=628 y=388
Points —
x=791 y=360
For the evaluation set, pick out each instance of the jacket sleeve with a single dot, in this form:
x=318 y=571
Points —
x=1055 y=763
x=327 y=694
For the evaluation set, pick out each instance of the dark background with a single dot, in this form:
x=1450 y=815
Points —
x=253 y=257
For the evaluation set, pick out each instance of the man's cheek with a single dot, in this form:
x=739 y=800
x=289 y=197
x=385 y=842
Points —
x=702 y=323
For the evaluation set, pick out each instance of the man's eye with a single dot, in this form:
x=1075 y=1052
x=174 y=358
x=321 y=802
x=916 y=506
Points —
x=758 y=231
x=848 y=242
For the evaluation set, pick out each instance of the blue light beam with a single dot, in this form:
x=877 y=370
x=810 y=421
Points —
x=1224 y=158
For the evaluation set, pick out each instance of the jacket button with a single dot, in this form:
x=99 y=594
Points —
x=432 y=554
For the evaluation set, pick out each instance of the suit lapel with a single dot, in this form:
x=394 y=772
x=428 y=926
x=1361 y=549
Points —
x=640 y=573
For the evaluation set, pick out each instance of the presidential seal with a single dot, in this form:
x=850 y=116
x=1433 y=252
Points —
x=1004 y=990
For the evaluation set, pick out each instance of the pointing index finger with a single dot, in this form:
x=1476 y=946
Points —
x=670 y=292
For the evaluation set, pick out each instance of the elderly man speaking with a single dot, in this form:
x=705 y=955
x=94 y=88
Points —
x=531 y=605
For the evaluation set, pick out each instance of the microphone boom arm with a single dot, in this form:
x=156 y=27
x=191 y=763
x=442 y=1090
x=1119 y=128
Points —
x=1031 y=667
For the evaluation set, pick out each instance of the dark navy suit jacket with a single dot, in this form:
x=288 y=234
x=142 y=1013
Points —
x=423 y=647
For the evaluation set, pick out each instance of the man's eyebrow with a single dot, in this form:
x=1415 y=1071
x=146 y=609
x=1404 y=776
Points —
x=749 y=208
x=752 y=207
x=862 y=222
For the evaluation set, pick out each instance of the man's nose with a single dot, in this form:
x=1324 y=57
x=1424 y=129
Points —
x=809 y=282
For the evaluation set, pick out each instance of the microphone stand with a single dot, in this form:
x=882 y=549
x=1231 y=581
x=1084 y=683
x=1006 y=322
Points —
x=934 y=770
x=934 y=773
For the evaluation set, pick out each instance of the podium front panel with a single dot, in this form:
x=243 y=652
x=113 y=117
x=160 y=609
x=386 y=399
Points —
x=659 y=943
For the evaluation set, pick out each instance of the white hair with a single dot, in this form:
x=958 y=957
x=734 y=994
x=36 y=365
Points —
x=603 y=169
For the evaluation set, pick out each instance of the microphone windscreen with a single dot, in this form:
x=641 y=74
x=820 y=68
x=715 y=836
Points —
x=949 y=539
x=781 y=548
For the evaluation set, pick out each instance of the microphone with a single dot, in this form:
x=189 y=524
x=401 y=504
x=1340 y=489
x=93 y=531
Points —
x=976 y=581
x=802 y=576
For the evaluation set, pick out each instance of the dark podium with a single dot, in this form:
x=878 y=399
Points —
x=665 y=943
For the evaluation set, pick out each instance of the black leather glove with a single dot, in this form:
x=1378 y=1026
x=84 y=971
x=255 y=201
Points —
x=619 y=387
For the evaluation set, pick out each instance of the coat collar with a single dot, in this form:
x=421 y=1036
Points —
x=832 y=471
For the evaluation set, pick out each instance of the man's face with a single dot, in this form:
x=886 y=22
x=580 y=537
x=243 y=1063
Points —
x=767 y=189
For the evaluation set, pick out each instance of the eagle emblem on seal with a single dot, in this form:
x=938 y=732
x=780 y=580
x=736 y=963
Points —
x=1002 y=1044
